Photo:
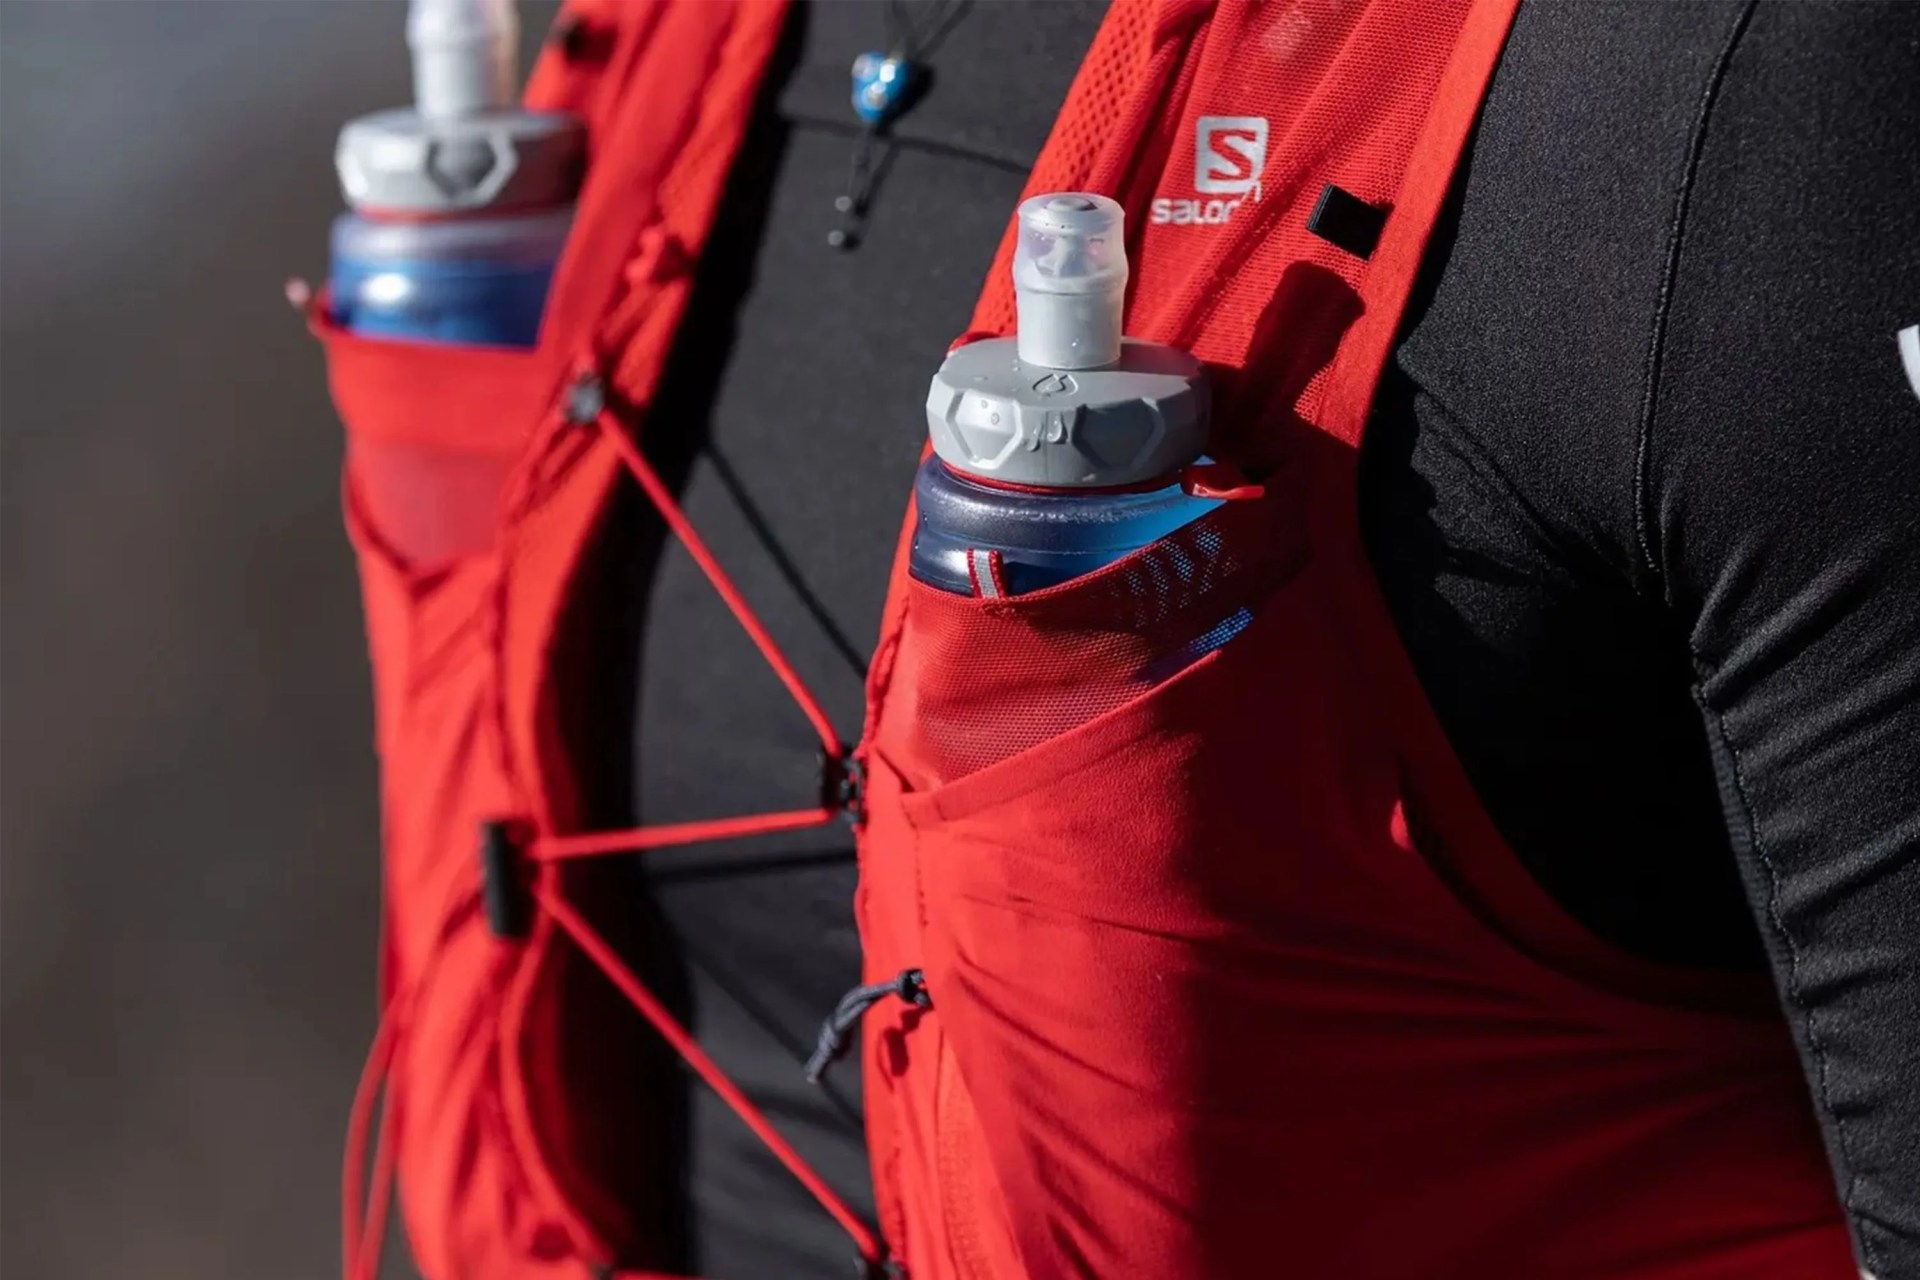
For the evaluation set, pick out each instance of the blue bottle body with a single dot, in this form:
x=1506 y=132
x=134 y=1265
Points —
x=477 y=280
x=1043 y=537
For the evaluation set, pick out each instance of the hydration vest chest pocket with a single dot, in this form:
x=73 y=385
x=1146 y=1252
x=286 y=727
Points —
x=985 y=682
x=434 y=431
x=1079 y=764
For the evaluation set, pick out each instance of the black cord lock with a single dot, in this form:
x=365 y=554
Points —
x=503 y=882
x=843 y=784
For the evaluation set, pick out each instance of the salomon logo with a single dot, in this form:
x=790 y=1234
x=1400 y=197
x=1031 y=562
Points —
x=1910 y=354
x=1229 y=154
x=1183 y=213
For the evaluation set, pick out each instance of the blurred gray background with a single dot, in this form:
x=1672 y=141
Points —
x=188 y=866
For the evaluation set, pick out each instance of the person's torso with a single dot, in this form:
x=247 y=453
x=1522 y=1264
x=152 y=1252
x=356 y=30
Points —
x=798 y=474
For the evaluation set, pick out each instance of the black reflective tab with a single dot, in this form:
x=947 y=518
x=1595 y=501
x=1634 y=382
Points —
x=509 y=906
x=1345 y=221
x=579 y=40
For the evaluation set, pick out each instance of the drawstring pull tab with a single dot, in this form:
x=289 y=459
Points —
x=910 y=986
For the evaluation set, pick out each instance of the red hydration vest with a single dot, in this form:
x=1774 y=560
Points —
x=1230 y=975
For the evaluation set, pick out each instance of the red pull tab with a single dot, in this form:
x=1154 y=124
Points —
x=1220 y=480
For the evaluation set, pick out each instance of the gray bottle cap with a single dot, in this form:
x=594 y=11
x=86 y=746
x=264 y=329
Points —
x=991 y=414
x=404 y=162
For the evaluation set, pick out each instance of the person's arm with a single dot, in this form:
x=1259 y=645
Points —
x=1779 y=522
x=1643 y=493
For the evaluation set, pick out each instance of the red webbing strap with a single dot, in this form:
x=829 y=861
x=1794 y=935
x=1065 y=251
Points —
x=363 y=1239
x=1396 y=260
x=363 y=1234
x=638 y=839
x=554 y=848
x=696 y=547
x=558 y=848
x=696 y=1058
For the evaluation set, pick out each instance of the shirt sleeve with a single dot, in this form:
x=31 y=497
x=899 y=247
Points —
x=1778 y=487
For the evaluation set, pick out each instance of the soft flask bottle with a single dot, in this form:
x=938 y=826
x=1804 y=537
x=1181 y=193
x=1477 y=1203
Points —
x=1060 y=450
x=460 y=205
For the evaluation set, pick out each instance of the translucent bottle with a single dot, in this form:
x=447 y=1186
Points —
x=461 y=204
x=1059 y=450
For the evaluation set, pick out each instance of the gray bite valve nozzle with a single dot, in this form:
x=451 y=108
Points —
x=464 y=145
x=1069 y=402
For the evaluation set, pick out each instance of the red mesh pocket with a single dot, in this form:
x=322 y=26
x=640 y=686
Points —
x=980 y=680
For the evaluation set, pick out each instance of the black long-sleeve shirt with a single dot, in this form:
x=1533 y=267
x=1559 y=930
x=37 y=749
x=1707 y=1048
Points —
x=1644 y=494
x=1642 y=488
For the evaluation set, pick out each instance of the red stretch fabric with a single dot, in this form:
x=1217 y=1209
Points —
x=500 y=1067
x=1231 y=976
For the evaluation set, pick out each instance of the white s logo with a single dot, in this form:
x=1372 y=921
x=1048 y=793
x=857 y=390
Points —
x=1229 y=153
